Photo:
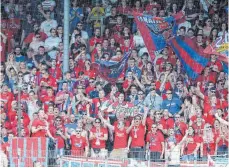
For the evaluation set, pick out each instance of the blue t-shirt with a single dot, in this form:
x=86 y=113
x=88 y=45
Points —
x=173 y=105
x=20 y=58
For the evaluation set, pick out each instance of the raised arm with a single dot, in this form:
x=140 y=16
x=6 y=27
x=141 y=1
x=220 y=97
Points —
x=221 y=120
x=111 y=127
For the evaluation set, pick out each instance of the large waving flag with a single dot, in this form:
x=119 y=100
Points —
x=220 y=48
x=111 y=70
x=193 y=62
x=156 y=30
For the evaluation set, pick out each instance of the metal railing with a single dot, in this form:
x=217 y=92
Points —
x=103 y=158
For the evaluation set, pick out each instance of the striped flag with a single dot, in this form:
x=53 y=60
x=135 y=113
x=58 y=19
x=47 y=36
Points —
x=192 y=62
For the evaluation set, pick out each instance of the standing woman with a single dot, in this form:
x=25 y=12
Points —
x=173 y=9
x=222 y=140
x=223 y=30
x=207 y=28
x=190 y=146
x=207 y=146
x=213 y=36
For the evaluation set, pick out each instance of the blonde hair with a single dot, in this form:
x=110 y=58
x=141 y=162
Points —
x=207 y=135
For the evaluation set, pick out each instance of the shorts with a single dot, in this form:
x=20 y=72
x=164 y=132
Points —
x=119 y=153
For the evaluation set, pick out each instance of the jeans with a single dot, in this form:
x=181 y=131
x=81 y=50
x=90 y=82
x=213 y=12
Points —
x=221 y=150
x=188 y=157
x=137 y=153
x=155 y=156
x=60 y=151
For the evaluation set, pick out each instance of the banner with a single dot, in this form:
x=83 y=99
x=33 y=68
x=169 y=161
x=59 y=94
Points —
x=91 y=162
x=192 y=62
x=24 y=152
x=156 y=31
x=220 y=48
x=111 y=70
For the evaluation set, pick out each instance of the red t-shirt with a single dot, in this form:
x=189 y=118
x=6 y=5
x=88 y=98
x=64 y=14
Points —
x=7 y=98
x=191 y=146
x=140 y=10
x=125 y=10
x=97 y=103
x=29 y=38
x=155 y=141
x=40 y=133
x=217 y=63
x=60 y=140
x=95 y=40
x=208 y=148
x=46 y=100
x=150 y=122
x=221 y=141
x=78 y=145
x=26 y=119
x=56 y=72
x=198 y=129
x=102 y=132
x=51 y=81
x=12 y=25
x=120 y=138
x=179 y=133
x=138 y=141
x=169 y=123
x=149 y=6
x=3 y=51
x=211 y=77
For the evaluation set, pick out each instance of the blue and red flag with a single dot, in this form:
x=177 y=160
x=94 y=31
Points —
x=155 y=31
x=111 y=70
x=192 y=62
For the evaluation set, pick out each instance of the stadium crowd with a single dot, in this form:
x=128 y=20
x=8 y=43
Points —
x=84 y=114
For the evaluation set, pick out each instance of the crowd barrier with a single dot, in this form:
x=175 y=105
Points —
x=42 y=152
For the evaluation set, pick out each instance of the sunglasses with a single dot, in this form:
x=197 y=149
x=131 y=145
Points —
x=177 y=117
x=153 y=127
x=58 y=120
x=78 y=131
x=213 y=91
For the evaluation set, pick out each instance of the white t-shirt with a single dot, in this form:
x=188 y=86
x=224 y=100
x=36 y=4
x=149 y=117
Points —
x=47 y=25
x=36 y=45
x=138 y=41
x=185 y=24
x=52 y=42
